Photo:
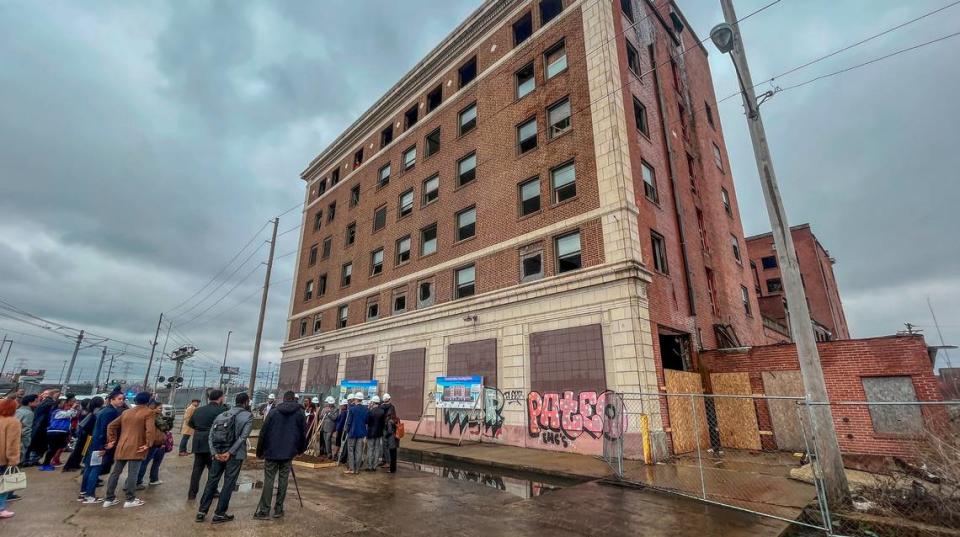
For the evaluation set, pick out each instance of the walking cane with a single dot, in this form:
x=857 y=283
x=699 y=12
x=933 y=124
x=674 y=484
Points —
x=296 y=485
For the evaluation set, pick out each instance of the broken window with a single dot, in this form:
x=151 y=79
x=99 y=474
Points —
x=434 y=98
x=774 y=285
x=468 y=72
x=523 y=28
x=386 y=136
x=425 y=296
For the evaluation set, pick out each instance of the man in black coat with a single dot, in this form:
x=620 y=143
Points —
x=282 y=437
x=201 y=421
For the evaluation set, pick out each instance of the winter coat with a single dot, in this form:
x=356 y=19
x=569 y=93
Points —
x=9 y=441
x=133 y=429
x=185 y=429
x=201 y=421
x=24 y=415
x=375 y=422
x=62 y=421
x=41 y=419
x=390 y=435
x=342 y=419
x=330 y=420
x=98 y=439
x=284 y=434
x=357 y=421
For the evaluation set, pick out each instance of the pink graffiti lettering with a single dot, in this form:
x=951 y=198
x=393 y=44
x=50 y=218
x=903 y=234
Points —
x=568 y=413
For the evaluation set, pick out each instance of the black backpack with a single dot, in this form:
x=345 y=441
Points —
x=223 y=432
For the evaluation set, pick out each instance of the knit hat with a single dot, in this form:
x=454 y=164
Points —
x=142 y=398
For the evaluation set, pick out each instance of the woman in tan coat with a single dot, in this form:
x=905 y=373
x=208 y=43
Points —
x=185 y=430
x=9 y=445
x=132 y=434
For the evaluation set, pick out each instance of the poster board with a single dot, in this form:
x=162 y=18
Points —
x=459 y=392
x=368 y=388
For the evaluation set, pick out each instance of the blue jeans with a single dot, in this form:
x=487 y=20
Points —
x=3 y=495
x=154 y=457
x=91 y=474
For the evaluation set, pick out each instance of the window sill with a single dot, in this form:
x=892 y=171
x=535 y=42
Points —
x=523 y=217
x=655 y=203
x=527 y=152
x=402 y=216
x=564 y=202
x=464 y=134
x=555 y=75
x=403 y=264
x=461 y=241
x=424 y=256
x=374 y=276
x=461 y=186
x=556 y=137
x=429 y=203
x=644 y=136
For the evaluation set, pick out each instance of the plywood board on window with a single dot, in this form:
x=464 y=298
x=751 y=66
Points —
x=785 y=415
x=687 y=413
x=736 y=416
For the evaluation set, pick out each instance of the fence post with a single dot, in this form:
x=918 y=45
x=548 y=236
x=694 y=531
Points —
x=696 y=436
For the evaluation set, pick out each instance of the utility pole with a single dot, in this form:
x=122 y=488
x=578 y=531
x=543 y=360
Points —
x=225 y=349
x=96 y=382
x=153 y=347
x=179 y=356
x=7 y=355
x=936 y=325
x=73 y=360
x=263 y=310
x=162 y=352
x=727 y=38
x=60 y=378
x=110 y=368
x=204 y=378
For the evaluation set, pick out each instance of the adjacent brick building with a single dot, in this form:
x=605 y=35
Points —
x=545 y=199
x=819 y=282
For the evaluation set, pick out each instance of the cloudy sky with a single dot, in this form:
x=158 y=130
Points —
x=143 y=144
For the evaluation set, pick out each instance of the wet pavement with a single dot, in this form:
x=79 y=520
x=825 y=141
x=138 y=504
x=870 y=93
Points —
x=425 y=501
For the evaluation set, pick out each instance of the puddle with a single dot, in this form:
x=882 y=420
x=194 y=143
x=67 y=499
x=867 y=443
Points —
x=515 y=485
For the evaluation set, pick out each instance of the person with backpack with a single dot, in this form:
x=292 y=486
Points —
x=58 y=432
x=98 y=456
x=158 y=449
x=282 y=437
x=201 y=421
x=131 y=434
x=228 y=444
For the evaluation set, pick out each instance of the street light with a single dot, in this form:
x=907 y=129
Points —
x=723 y=37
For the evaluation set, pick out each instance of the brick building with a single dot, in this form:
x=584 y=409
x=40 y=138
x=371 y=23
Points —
x=544 y=200
x=819 y=282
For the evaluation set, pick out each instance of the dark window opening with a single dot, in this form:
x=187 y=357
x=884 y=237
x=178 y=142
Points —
x=549 y=9
x=769 y=262
x=322 y=285
x=434 y=98
x=627 y=7
x=317 y=321
x=412 y=116
x=640 y=117
x=331 y=211
x=709 y=112
x=376 y=262
x=468 y=72
x=675 y=352
x=327 y=246
x=322 y=187
x=774 y=285
x=425 y=294
x=531 y=267
x=523 y=29
x=358 y=158
x=335 y=177
x=373 y=311
x=633 y=59
x=400 y=303
x=313 y=256
x=386 y=136
x=432 y=143
x=317 y=220
x=351 y=233
x=354 y=195
x=659 y=248
x=303 y=327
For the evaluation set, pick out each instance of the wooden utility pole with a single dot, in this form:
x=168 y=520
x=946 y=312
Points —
x=73 y=360
x=153 y=347
x=96 y=381
x=263 y=310
x=224 y=366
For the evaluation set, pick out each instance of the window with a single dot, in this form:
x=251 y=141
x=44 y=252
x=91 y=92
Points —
x=380 y=218
x=530 y=196
x=342 y=313
x=322 y=187
x=682 y=112
x=376 y=262
x=555 y=58
x=383 y=178
x=523 y=28
x=373 y=310
x=428 y=240
x=745 y=296
x=568 y=252
x=692 y=171
x=399 y=303
x=346 y=273
x=386 y=136
x=468 y=72
x=659 y=248
x=769 y=262
x=411 y=117
x=331 y=211
x=467 y=169
x=564 y=180
x=736 y=248
x=466 y=223
x=466 y=281
x=709 y=113
x=558 y=116
x=432 y=144
x=756 y=277
x=633 y=59
x=527 y=136
x=355 y=195
x=303 y=327
x=327 y=246
x=351 y=234
x=549 y=9
x=410 y=158
x=358 y=158
x=900 y=420
x=640 y=117
x=676 y=74
x=313 y=256
x=317 y=321
x=405 y=207
x=525 y=80
x=425 y=294
x=322 y=285
x=403 y=250
x=717 y=157
x=335 y=177
x=702 y=228
x=649 y=182
x=712 y=291
x=434 y=98
x=725 y=198
x=531 y=266
x=627 y=7
x=431 y=190
x=774 y=285
x=317 y=220
x=308 y=291
x=468 y=119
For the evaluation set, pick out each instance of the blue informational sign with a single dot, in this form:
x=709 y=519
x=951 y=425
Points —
x=367 y=387
x=459 y=392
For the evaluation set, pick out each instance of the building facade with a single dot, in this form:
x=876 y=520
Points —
x=544 y=200
x=819 y=282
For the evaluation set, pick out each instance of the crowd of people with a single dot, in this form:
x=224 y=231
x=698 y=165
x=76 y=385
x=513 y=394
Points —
x=113 y=435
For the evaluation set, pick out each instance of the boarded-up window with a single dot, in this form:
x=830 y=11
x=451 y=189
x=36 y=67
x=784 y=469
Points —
x=359 y=367
x=322 y=375
x=474 y=358
x=568 y=359
x=405 y=382
x=290 y=373
x=893 y=419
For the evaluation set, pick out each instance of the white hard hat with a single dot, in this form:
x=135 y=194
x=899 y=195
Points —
x=343 y=402
x=375 y=399
x=386 y=397
x=272 y=396
x=358 y=396
x=315 y=400
x=329 y=400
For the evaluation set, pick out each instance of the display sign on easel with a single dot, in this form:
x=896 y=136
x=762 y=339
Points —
x=367 y=387
x=459 y=392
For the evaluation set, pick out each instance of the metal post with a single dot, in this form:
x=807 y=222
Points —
x=263 y=309
x=801 y=328
x=176 y=374
x=205 y=378
x=96 y=382
x=696 y=435
x=225 y=349
x=110 y=367
x=162 y=352
x=7 y=355
x=73 y=360
x=153 y=347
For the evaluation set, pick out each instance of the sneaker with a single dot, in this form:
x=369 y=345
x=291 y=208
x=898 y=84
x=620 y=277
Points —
x=136 y=502
x=90 y=500
x=201 y=516
x=110 y=503
x=13 y=497
x=141 y=486
x=155 y=483
x=47 y=468
x=6 y=514
x=261 y=516
x=81 y=497
x=220 y=519
x=278 y=514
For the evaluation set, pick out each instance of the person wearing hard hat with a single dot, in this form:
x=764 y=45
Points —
x=310 y=413
x=271 y=402
x=356 y=429
x=388 y=410
x=341 y=426
x=328 y=424
x=375 y=423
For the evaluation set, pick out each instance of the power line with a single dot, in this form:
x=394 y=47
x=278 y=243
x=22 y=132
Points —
x=222 y=282
x=231 y=290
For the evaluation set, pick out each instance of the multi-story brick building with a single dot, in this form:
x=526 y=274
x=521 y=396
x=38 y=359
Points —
x=819 y=282
x=544 y=200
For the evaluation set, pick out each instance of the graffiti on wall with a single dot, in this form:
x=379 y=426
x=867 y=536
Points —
x=561 y=418
x=487 y=421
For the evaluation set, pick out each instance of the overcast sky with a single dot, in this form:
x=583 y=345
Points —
x=142 y=144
